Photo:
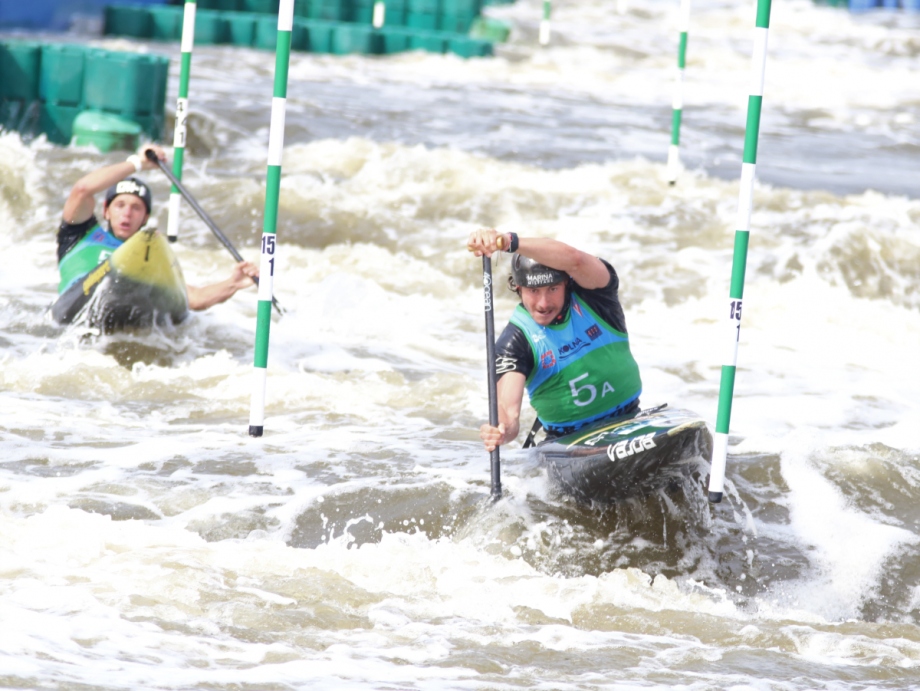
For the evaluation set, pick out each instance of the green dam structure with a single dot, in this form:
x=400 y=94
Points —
x=76 y=92
x=338 y=27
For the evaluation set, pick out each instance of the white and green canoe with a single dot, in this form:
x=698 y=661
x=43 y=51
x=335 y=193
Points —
x=140 y=285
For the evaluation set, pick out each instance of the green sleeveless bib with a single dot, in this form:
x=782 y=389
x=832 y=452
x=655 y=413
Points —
x=583 y=368
x=86 y=255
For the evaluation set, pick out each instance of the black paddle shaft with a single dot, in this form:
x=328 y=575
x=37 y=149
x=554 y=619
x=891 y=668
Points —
x=490 y=369
x=151 y=156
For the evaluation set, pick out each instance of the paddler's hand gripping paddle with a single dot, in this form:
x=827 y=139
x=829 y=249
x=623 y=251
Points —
x=151 y=156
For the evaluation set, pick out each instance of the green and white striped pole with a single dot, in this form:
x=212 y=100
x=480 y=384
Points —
x=739 y=261
x=270 y=224
x=677 y=104
x=188 y=41
x=544 y=23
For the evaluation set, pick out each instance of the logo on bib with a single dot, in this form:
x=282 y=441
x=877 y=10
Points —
x=569 y=349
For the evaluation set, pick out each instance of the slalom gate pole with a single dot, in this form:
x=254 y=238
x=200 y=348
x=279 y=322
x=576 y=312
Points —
x=739 y=260
x=179 y=136
x=494 y=455
x=677 y=103
x=544 y=23
x=270 y=224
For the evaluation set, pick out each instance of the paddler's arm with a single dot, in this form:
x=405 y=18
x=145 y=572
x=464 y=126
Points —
x=587 y=270
x=208 y=296
x=81 y=203
x=510 y=390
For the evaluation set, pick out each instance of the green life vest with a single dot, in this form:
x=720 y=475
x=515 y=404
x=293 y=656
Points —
x=94 y=248
x=583 y=368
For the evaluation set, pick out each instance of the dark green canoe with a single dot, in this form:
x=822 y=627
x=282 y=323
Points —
x=629 y=456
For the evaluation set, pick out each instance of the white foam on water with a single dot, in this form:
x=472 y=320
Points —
x=849 y=547
x=122 y=588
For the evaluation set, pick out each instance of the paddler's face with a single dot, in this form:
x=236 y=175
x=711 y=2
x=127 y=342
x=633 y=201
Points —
x=126 y=215
x=544 y=303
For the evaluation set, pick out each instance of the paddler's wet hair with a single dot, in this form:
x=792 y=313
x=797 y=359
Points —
x=129 y=186
x=527 y=273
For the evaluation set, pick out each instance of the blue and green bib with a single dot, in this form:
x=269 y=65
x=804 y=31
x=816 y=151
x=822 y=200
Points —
x=583 y=368
x=86 y=255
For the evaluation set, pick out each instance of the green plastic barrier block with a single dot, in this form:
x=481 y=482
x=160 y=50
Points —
x=57 y=122
x=61 y=80
x=362 y=11
x=329 y=10
x=241 y=27
x=394 y=17
x=166 y=22
x=318 y=35
x=127 y=20
x=470 y=47
x=426 y=22
x=266 y=32
x=161 y=79
x=469 y=7
x=20 y=67
x=127 y=83
x=394 y=39
x=489 y=29
x=154 y=126
x=423 y=6
x=431 y=41
x=220 y=5
x=355 y=38
x=362 y=15
x=210 y=27
x=394 y=12
x=260 y=6
x=455 y=23
x=106 y=131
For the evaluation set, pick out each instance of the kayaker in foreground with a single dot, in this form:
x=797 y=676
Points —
x=566 y=342
x=83 y=242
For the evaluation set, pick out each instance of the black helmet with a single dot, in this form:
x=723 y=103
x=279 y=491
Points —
x=129 y=186
x=526 y=273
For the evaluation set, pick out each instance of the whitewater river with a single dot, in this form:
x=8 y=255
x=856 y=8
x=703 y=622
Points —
x=147 y=542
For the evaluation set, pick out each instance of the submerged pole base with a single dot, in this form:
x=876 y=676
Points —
x=256 y=431
x=714 y=497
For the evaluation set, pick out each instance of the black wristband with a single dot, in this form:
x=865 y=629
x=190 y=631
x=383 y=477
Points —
x=514 y=242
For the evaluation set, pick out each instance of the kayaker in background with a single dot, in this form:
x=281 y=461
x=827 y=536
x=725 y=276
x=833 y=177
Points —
x=83 y=242
x=566 y=342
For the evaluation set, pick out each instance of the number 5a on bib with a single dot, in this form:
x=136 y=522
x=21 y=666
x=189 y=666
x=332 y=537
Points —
x=590 y=389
